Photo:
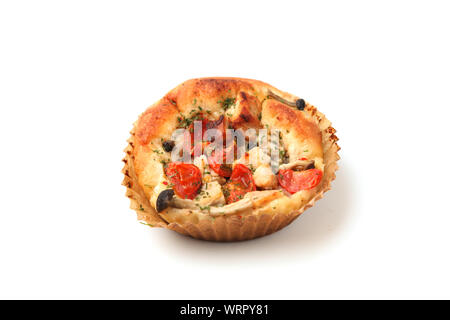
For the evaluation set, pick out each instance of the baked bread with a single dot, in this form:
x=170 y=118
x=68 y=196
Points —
x=242 y=200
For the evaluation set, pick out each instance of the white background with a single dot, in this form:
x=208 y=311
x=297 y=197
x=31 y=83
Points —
x=75 y=75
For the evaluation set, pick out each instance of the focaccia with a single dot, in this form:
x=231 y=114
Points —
x=227 y=202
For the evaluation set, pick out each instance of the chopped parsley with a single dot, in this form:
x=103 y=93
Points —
x=164 y=163
x=227 y=103
x=208 y=208
x=184 y=122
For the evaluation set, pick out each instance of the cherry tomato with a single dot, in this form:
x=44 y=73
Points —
x=186 y=179
x=293 y=181
x=241 y=182
x=197 y=141
x=217 y=161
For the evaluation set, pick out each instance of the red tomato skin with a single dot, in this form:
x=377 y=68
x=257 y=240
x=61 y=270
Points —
x=235 y=195
x=222 y=169
x=293 y=181
x=186 y=179
x=241 y=182
x=243 y=175
x=207 y=124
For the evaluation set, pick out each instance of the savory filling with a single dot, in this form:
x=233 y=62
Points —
x=210 y=183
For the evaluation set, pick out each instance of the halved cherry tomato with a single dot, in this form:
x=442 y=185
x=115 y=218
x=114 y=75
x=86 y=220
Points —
x=197 y=141
x=217 y=161
x=294 y=181
x=186 y=179
x=241 y=182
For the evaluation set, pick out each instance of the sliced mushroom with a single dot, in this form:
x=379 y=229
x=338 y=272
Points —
x=251 y=199
x=254 y=198
x=231 y=208
x=263 y=198
x=299 y=103
x=213 y=210
x=298 y=164
x=164 y=199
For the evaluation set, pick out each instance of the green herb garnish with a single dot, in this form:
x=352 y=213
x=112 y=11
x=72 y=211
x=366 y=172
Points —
x=227 y=103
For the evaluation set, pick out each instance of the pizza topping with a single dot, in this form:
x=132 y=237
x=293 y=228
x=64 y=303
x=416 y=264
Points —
x=294 y=181
x=185 y=122
x=215 y=210
x=241 y=182
x=272 y=95
x=190 y=182
x=264 y=177
x=209 y=195
x=301 y=164
x=164 y=199
x=300 y=103
x=217 y=161
x=186 y=179
x=227 y=103
x=168 y=145
x=219 y=124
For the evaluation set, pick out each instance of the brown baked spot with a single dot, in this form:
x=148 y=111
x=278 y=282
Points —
x=288 y=117
x=153 y=120
x=246 y=114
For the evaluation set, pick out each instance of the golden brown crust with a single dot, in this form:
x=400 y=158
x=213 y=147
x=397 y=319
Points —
x=302 y=131
x=156 y=119
x=247 y=112
x=206 y=92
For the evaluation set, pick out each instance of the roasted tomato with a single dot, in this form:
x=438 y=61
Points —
x=217 y=161
x=293 y=181
x=186 y=179
x=197 y=141
x=240 y=183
